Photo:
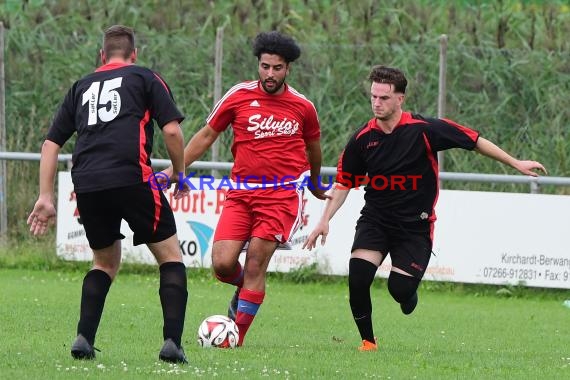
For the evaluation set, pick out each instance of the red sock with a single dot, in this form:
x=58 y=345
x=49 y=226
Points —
x=248 y=304
x=235 y=278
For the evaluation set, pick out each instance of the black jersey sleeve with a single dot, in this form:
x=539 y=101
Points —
x=351 y=167
x=162 y=106
x=446 y=134
x=63 y=125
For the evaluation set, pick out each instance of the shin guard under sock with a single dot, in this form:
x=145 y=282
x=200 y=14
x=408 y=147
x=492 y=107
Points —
x=360 y=276
x=173 y=298
x=96 y=284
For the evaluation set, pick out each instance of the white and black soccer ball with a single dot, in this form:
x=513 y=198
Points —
x=218 y=331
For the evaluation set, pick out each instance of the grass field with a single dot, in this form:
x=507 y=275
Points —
x=302 y=331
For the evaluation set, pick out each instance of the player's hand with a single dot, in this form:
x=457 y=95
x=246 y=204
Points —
x=161 y=180
x=41 y=217
x=170 y=177
x=322 y=230
x=164 y=179
x=181 y=189
x=529 y=167
x=319 y=190
x=320 y=194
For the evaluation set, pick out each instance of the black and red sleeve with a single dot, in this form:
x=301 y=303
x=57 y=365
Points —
x=351 y=166
x=446 y=134
x=63 y=125
x=162 y=106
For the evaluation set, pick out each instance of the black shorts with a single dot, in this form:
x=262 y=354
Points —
x=409 y=244
x=146 y=210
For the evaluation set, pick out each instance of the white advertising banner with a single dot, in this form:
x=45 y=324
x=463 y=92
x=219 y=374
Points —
x=480 y=237
x=499 y=238
x=196 y=218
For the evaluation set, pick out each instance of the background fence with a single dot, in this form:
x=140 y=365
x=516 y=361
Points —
x=508 y=70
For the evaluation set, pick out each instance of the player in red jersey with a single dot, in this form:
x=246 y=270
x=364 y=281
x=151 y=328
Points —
x=397 y=218
x=276 y=143
x=112 y=112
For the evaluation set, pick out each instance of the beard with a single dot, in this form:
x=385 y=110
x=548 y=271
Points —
x=276 y=86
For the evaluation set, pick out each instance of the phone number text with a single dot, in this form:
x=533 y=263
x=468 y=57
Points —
x=525 y=274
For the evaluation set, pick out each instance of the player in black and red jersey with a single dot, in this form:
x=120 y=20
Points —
x=395 y=156
x=112 y=112
x=276 y=146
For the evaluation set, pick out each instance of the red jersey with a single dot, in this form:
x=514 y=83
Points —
x=270 y=131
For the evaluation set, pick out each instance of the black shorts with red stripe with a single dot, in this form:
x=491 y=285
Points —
x=145 y=209
x=409 y=244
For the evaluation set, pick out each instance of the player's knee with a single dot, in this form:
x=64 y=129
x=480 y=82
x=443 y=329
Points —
x=360 y=277
x=223 y=266
x=222 y=269
x=402 y=287
x=360 y=274
x=110 y=269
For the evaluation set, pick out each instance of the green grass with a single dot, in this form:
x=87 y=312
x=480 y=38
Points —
x=302 y=331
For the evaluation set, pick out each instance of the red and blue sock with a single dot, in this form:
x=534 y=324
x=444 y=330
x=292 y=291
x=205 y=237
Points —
x=248 y=305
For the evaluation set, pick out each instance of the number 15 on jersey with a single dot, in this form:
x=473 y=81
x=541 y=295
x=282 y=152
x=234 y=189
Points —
x=105 y=104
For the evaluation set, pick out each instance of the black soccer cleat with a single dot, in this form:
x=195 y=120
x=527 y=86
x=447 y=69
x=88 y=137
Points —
x=232 y=309
x=409 y=306
x=171 y=353
x=82 y=349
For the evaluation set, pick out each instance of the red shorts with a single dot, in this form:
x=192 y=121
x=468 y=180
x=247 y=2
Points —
x=270 y=213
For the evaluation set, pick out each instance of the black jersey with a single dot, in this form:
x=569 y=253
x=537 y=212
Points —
x=112 y=111
x=400 y=169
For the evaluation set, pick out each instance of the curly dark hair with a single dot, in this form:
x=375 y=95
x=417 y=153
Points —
x=276 y=43
x=390 y=75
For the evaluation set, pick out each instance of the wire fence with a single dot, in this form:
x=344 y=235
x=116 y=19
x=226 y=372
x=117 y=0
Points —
x=515 y=98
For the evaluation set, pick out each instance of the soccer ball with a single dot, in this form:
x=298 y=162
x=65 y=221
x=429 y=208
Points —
x=218 y=331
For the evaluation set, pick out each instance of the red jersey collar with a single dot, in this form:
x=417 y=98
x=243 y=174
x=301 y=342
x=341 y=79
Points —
x=112 y=66
x=405 y=118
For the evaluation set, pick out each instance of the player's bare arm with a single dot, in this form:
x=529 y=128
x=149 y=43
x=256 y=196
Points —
x=489 y=149
x=43 y=214
x=336 y=198
x=195 y=148
x=314 y=156
x=174 y=141
x=199 y=143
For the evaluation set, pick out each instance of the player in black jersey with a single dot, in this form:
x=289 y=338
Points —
x=395 y=156
x=112 y=112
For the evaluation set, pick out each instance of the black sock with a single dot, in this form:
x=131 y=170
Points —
x=409 y=306
x=360 y=276
x=173 y=297
x=96 y=285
